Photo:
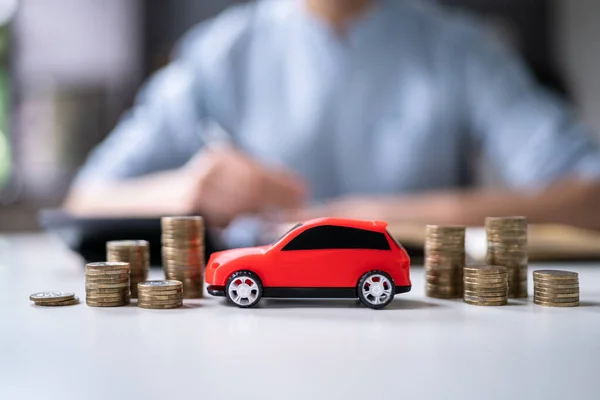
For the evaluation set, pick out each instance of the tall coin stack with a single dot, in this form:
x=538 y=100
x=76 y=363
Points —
x=507 y=245
x=486 y=285
x=556 y=288
x=107 y=284
x=160 y=294
x=183 y=253
x=444 y=261
x=134 y=252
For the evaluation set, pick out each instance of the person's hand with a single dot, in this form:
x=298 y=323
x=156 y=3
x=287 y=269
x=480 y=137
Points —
x=223 y=184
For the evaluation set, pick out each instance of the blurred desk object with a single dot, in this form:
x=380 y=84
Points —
x=88 y=236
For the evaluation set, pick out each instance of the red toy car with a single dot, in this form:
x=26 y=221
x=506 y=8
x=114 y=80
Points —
x=321 y=258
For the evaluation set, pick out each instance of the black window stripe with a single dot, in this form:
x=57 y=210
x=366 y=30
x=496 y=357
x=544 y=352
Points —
x=338 y=237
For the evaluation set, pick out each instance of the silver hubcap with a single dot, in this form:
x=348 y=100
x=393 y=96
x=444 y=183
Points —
x=377 y=289
x=243 y=290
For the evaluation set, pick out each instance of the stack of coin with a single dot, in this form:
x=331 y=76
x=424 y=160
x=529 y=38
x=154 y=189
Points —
x=556 y=288
x=486 y=285
x=507 y=245
x=134 y=252
x=160 y=294
x=54 y=299
x=444 y=261
x=107 y=284
x=183 y=253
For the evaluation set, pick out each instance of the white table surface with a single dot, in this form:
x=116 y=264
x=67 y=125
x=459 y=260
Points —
x=418 y=348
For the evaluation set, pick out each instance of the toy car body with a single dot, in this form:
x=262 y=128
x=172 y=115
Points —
x=321 y=258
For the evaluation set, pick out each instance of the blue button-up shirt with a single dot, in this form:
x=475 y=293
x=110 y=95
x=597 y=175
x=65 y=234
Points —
x=398 y=103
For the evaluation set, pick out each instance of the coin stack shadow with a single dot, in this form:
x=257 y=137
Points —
x=507 y=245
x=444 y=261
x=107 y=284
x=160 y=294
x=134 y=252
x=486 y=285
x=556 y=288
x=183 y=253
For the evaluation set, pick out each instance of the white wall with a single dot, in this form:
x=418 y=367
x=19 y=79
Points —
x=77 y=42
x=579 y=53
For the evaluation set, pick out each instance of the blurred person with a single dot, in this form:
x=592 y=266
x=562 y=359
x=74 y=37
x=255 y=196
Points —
x=354 y=108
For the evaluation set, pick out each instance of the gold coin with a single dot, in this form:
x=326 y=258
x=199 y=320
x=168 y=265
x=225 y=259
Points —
x=552 y=304
x=485 y=269
x=487 y=281
x=556 y=299
x=159 y=307
x=484 y=298
x=126 y=244
x=538 y=285
x=160 y=285
x=497 y=293
x=553 y=290
x=160 y=304
x=552 y=283
x=107 y=281
x=114 y=290
x=486 y=303
x=107 y=266
x=487 y=278
x=555 y=274
x=161 y=292
x=68 y=302
x=102 y=296
x=112 y=275
x=502 y=289
x=484 y=284
x=161 y=297
x=94 y=304
x=106 y=285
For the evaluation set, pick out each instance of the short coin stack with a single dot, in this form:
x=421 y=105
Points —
x=134 y=252
x=556 y=288
x=54 y=299
x=183 y=253
x=444 y=261
x=507 y=245
x=107 y=284
x=160 y=294
x=486 y=285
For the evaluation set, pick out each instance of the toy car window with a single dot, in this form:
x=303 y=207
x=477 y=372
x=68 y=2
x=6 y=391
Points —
x=338 y=237
x=288 y=231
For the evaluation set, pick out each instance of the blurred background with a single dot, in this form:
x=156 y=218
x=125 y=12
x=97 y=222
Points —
x=70 y=68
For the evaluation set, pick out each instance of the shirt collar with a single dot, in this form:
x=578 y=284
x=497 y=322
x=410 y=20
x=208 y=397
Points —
x=361 y=32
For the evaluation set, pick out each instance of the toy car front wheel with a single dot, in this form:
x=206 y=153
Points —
x=376 y=289
x=244 y=289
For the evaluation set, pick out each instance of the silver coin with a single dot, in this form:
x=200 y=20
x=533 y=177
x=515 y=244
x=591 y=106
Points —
x=159 y=284
x=51 y=296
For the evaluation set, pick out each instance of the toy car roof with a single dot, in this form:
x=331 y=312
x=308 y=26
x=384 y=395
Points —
x=346 y=222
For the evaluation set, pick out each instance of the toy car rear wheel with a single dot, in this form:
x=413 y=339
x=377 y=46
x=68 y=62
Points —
x=244 y=289
x=376 y=289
